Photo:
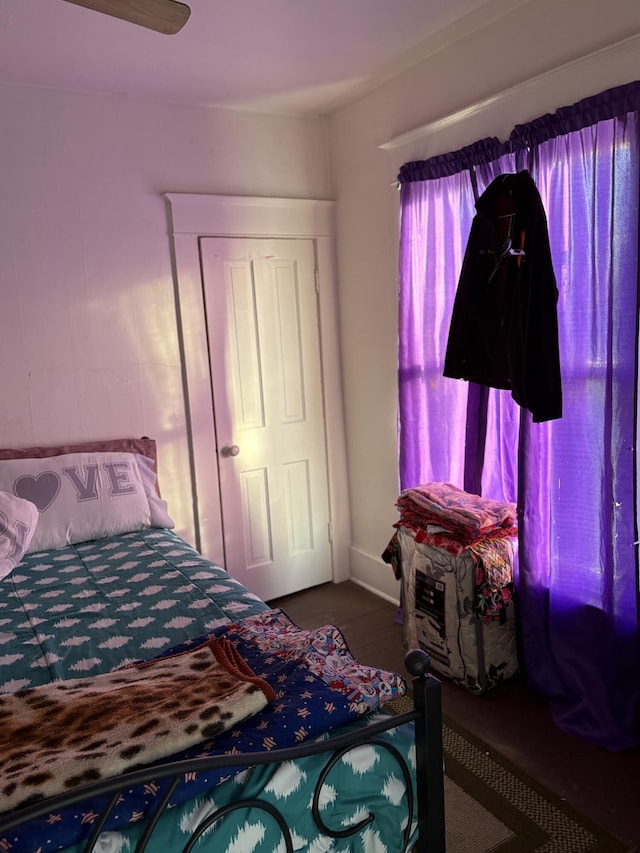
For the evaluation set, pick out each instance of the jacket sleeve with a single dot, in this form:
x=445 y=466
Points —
x=536 y=379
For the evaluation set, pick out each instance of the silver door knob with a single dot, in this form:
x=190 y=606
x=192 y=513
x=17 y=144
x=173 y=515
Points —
x=233 y=450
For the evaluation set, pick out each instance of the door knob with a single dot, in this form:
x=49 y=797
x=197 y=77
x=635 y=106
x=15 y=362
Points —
x=233 y=450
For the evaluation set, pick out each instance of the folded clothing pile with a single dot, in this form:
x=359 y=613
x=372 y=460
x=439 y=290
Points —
x=454 y=518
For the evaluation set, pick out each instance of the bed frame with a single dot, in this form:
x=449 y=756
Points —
x=426 y=716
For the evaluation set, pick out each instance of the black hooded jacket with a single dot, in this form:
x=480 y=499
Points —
x=504 y=324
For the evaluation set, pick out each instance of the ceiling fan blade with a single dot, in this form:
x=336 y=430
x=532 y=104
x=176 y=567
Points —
x=163 y=16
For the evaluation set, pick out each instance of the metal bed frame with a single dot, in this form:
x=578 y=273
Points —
x=426 y=717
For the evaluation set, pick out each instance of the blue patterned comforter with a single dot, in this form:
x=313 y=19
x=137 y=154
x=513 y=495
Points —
x=92 y=607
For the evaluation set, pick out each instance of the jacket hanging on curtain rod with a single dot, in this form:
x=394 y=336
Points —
x=504 y=324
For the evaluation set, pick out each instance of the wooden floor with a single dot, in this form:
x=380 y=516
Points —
x=602 y=785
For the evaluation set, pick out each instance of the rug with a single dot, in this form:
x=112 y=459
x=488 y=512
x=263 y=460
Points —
x=491 y=806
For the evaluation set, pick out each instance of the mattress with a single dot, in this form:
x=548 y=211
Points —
x=441 y=616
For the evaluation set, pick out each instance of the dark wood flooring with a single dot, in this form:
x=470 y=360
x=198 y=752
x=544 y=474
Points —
x=602 y=785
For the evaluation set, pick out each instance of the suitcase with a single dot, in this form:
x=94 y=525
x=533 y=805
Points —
x=440 y=616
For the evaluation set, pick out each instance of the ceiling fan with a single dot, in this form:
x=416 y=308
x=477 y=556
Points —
x=163 y=16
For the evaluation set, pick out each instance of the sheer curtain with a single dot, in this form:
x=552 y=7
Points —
x=574 y=478
x=432 y=254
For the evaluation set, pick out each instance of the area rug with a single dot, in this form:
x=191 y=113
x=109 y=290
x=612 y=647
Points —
x=491 y=806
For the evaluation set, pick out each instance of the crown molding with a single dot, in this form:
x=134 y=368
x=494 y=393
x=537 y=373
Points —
x=603 y=56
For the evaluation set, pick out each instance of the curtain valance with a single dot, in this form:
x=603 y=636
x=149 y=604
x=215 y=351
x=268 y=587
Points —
x=606 y=105
x=444 y=165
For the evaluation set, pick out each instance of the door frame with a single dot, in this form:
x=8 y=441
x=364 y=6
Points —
x=193 y=216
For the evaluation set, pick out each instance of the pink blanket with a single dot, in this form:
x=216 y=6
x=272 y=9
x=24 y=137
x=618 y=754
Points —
x=467 y=517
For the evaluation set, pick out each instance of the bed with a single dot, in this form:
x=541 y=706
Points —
x=150 y=701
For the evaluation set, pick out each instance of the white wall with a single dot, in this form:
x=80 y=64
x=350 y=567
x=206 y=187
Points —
x=497 y=47
x=88 y=330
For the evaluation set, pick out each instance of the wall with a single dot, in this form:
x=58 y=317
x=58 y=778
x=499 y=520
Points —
x=88 y=330
x=502 y=45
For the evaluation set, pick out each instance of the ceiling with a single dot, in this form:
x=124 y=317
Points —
x=292 y=56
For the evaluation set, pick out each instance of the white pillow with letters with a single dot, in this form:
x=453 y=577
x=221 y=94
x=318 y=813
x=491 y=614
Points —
x=82 y=496
x=18 y=520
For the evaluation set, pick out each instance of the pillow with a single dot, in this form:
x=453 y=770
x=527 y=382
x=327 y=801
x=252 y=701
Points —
x=82 y=496
x=157 y=507
x=144 y=446
x=18 y=520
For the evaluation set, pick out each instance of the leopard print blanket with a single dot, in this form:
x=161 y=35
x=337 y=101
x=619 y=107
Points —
x=69 y=733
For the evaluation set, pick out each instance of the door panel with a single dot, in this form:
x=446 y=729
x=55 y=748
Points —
x=264 y=354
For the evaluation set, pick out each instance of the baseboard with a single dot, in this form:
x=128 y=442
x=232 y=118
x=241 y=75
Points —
x=374 y=575
x=377 y=592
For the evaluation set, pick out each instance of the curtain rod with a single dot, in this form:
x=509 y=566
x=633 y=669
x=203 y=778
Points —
x=602 y=54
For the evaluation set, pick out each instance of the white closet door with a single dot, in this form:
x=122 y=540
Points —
x=264 y=354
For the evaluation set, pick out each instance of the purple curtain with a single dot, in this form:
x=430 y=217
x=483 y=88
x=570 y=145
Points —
x=573 y=478
x=432 y=254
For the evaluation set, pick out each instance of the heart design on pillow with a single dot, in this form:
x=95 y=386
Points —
x=41 y=490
